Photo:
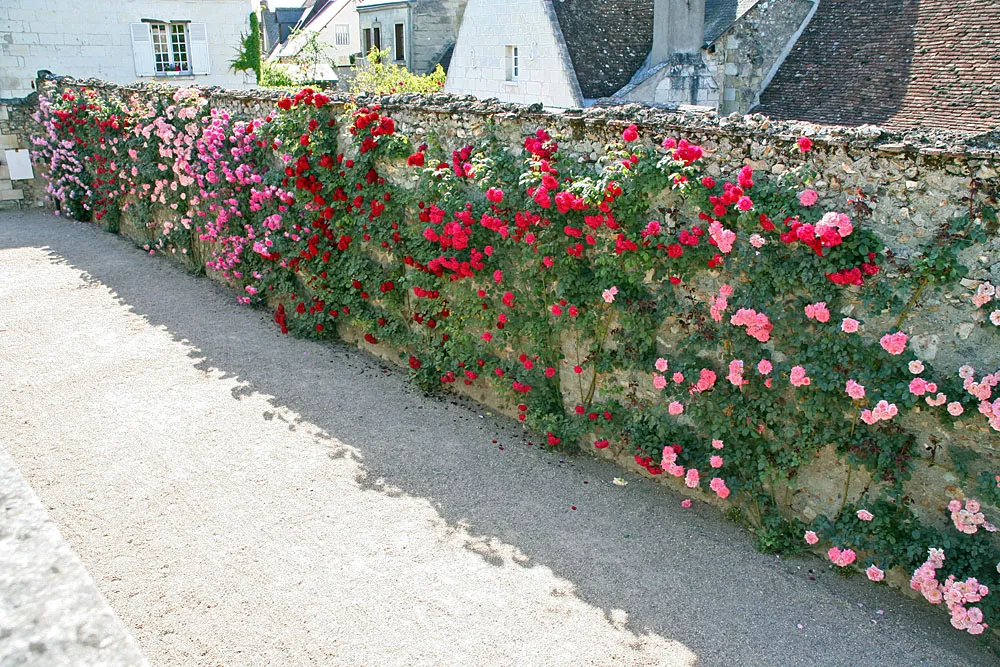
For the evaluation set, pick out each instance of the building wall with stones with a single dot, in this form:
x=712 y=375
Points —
x=906 y=187
x=479 y=66
x=745 y=57
x=435 y=30
x=730 y=73
x=92 y=38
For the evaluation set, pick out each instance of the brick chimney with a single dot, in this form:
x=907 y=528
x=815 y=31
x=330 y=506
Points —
x=678 y=27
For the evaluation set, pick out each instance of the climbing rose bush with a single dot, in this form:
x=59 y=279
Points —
x=550 y=281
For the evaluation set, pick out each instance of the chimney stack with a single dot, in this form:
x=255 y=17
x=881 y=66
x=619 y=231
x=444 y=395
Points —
x=678 y=27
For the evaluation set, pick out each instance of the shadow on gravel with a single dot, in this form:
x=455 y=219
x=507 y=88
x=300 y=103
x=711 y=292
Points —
x=686 y=575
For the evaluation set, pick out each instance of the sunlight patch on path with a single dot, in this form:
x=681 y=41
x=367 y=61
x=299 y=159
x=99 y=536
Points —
x=223 y=528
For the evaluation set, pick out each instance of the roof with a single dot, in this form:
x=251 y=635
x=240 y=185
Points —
x=609 y=40
x=720 y=14
x=901 y=64
x=314 y=23
x=288 y=14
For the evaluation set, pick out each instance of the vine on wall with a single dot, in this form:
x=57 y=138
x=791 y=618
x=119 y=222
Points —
x=725 y=342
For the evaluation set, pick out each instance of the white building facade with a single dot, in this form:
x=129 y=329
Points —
x=513 y=51
x=183 y=42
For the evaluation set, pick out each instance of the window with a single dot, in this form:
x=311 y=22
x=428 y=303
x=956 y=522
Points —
x=398 y=45
x=170 y=48
x=513 y=64
x=342 y=34
x=377 y=34
x=366 y=35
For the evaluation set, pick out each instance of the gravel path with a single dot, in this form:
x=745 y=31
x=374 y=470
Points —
x=245 y=498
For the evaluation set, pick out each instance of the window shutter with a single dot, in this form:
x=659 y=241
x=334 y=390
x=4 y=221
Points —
x=142 y=49
x=198 y=34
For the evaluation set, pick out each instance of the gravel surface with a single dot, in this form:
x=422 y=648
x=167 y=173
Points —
x=245 y=498
x=51 y=613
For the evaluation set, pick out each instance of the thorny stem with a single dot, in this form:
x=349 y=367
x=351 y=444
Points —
x=912 y=302
x=847 y=487
x=593 y=379
x=579 y=378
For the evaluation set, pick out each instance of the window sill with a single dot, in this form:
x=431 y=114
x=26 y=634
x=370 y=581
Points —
x=169 y=75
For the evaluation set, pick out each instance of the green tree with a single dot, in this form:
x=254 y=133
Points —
x=248 y=57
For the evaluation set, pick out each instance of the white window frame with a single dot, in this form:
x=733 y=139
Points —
x=342 y=34
x=513 y=63
x=171 y=48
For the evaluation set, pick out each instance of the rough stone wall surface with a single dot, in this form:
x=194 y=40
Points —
x=435 y=29
x=51 y=613
x=913 y=183
x=743 y=56
x=479 y=65
x=91 y=38
x=15 y=132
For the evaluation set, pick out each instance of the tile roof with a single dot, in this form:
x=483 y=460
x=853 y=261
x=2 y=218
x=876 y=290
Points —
x=607 y=40
x=901 y=64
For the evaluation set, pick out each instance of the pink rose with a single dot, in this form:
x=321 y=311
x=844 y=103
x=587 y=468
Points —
x=849 y=325
x=875 y=574
x=894 y=343
x=811 y=537
x=855 y=390
x=798 y=377
x=808 y=197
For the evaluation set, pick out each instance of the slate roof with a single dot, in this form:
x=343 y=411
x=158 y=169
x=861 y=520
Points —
x=901 y=64
x=609 y=40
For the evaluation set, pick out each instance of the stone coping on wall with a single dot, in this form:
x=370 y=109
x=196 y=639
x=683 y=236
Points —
x=931 y=142
x=51 y=612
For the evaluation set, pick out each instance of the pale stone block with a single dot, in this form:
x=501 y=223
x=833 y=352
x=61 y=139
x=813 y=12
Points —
x=11 y=195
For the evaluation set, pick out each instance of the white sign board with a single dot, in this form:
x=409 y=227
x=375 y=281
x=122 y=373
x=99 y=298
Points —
x=19 y=163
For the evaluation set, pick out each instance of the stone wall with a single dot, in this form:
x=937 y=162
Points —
x=910 y=185
x=15 y=132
